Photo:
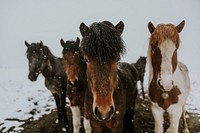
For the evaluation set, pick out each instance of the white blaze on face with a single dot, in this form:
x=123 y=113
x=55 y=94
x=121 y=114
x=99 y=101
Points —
x=166 y=76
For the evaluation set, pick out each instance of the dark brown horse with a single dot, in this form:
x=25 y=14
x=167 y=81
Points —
x=75 y=67
x=41 y=60
x=112 y=89
x=140 y=66
x=169 y=83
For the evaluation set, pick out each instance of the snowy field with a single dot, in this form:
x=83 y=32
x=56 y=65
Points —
x=50 y=20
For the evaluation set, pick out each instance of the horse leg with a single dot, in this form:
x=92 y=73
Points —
x=128 y=122
x=185 y=126
x=65 y=123
x=142 y=86
x=174 y=118
x=76 y=118
x=158 y=118
x=87 y=125
x=57 y=100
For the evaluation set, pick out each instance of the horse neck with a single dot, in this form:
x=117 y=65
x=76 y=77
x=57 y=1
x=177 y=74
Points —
x=50 y=65
x=82 y=72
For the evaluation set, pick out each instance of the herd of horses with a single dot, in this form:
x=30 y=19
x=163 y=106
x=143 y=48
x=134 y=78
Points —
x=96 y=83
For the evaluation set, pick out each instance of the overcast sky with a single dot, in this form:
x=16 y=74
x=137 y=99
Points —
x=51 y=20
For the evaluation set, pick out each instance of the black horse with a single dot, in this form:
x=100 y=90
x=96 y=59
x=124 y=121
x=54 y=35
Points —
x=41 y=60
x=140 y=66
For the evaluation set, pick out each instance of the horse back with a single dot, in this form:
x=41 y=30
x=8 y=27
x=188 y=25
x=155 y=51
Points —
x=182 y=78
x=128 y=78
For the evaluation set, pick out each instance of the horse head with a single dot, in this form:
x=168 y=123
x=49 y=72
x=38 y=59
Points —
x=162 y=52
x=72 y=57
x=36 y=54
x=102 y=47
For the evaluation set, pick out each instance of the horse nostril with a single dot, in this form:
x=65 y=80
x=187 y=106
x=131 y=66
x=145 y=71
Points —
x=75 y=82
x=97 y=113
x=112 y=110
x=172 y=83
x=159 y=82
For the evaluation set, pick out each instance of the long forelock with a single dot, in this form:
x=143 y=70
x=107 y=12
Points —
x=102 y=43
x=70 y=46
x=164 y=32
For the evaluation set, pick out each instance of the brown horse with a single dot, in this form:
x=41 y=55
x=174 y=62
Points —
x=42 y=61
x=75 y=67
x=112 y=89
x=169 y=83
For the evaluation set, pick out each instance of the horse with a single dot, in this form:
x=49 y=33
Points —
x=75 y=68
x=169 y=82
x=112 y=85
x=140 y=66
x=42 y=61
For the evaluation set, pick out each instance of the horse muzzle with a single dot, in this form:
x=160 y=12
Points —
x=104 y=115
x=166 y=86
x=32 y=77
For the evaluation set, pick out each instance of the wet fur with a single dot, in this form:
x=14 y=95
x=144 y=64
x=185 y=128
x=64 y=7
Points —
x=167 y=34
x=75 y=92
x=102 y=44
x=55 y=77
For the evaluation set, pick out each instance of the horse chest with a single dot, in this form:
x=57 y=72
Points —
x=76 y=96
x=155 y=94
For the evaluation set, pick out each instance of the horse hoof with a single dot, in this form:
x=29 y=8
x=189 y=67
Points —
x=186 y=131
x=64 y=129
x=167 y=131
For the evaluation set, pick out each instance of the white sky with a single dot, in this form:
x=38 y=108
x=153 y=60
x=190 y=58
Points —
x=50 y=20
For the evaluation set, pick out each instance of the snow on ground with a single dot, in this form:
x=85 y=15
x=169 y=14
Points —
x=50 y=20
x=20 y=98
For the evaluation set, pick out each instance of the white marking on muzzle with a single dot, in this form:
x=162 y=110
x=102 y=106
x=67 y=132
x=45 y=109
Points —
x=166 y=76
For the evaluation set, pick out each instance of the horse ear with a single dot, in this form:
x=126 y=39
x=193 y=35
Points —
x=151 y=27
x=180 y=26
x=41 y=42
x=120 y=27
x=26 y=43
x=83 y=29
x=62 y=42
x=77 y=41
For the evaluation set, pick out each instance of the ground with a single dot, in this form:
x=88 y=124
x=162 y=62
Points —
x=143 y=121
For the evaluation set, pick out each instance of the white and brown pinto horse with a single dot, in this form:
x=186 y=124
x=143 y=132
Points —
x=169 y=83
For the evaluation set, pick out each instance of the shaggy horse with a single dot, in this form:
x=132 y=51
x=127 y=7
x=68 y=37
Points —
x=169 y=83
x=75 y=67
x=112 y=86
x=41 y=60
x=140 y=66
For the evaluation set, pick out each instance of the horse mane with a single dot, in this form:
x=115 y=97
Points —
x=163 y=32
x=102 y=42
